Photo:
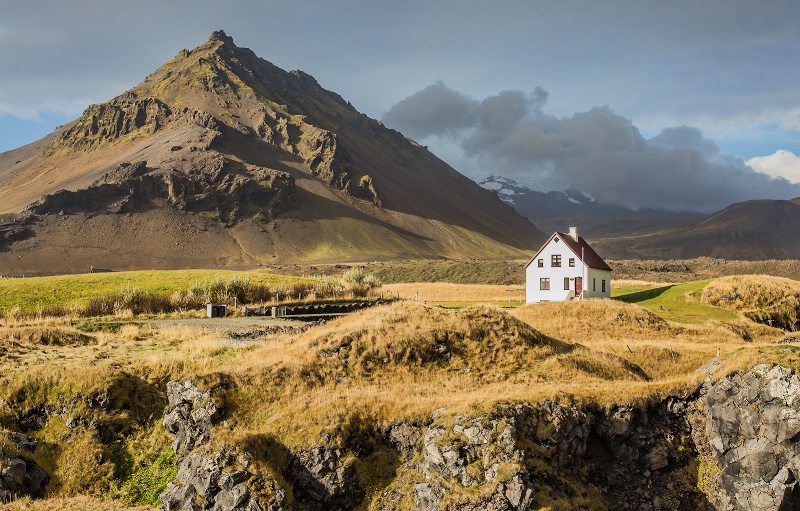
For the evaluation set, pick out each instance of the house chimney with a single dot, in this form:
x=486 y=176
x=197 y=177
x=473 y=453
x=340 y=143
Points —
x=573 y=232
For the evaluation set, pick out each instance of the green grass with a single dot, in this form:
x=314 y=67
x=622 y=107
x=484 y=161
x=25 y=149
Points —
x=454 y=272
x=627 y=289
x=675 y=302
x=31 y=294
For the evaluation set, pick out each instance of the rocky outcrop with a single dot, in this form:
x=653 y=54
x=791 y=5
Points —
x=20 y=476
x=128 y=117
x=633 y=459
x=219 y=478
x=208 y=477
x=212 y=185
x=733 y=446
x=752 y=430
x=323 y=479
x=14 y=228
x=321 y=149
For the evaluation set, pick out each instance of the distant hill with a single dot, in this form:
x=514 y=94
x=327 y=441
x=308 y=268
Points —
x=221 y=158
x=751 y=230
x=557 y=210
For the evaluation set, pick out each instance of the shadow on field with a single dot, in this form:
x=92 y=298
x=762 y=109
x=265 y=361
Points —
x=641 y=296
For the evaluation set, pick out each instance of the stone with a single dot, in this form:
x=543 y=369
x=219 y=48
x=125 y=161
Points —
x=21 y=477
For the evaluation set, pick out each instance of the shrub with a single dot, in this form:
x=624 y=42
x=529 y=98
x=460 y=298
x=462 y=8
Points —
x=129 y=299
x=359 y=282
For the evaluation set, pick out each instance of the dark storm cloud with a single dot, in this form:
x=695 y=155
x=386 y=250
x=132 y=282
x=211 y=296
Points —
x=435 y=110
x=597 y=152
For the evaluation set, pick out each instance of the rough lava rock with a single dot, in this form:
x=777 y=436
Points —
x=19 y=475
x=736 y=439
x=207 y=478
x=753 y=428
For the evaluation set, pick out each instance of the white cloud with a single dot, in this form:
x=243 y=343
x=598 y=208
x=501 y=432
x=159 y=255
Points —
x=782 y=163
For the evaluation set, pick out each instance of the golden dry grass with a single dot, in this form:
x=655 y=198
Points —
x=444 y=293
x=81 y=503
x=406 y=360
x=749 y=291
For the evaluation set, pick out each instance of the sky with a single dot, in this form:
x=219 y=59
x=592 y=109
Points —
x=686 y=104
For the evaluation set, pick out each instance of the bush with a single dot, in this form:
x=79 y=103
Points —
x=129 y=299
x=359 y=282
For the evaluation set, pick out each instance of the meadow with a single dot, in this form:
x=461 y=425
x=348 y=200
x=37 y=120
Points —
x=32 y=293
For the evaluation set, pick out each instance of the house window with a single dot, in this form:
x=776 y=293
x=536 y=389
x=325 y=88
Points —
x=566 y=283
x=555 y=261
x=544 y=284
x=572 y=262
x=594 y=284
x=604 y=285
x=541 y=263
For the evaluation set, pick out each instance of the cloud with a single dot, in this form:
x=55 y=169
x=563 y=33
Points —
x=782 y=163
x=435 y=110
x=597 y=152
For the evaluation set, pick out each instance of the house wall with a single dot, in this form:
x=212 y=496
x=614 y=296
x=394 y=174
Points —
x=593 y=285
x=533 y=274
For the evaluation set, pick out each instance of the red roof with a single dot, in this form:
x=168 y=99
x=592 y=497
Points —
x=589 y=258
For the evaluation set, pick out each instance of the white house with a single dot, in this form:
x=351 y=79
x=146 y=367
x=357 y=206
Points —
x=566 y=267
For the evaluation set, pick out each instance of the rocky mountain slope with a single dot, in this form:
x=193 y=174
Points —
x=219 y=157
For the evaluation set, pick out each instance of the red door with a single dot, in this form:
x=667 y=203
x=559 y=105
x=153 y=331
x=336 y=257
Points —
x=578 y=286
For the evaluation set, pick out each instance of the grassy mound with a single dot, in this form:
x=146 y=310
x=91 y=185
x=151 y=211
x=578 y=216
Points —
x=665 y=350
x=412 y=339
x=405 y=360
x=741 y=292
x=594 y=320
x=774 y=301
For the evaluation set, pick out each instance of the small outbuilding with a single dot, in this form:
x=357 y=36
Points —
x=566 y=268
x=214 y=310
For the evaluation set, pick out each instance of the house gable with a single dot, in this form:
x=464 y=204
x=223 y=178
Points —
x=564 y=269
x=590 y=258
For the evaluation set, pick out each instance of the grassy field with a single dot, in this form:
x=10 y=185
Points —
x=676 y=302
x=30 y=294
x=458 y=295
x=72 y=504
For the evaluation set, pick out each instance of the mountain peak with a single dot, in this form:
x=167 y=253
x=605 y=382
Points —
x=220 y=35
